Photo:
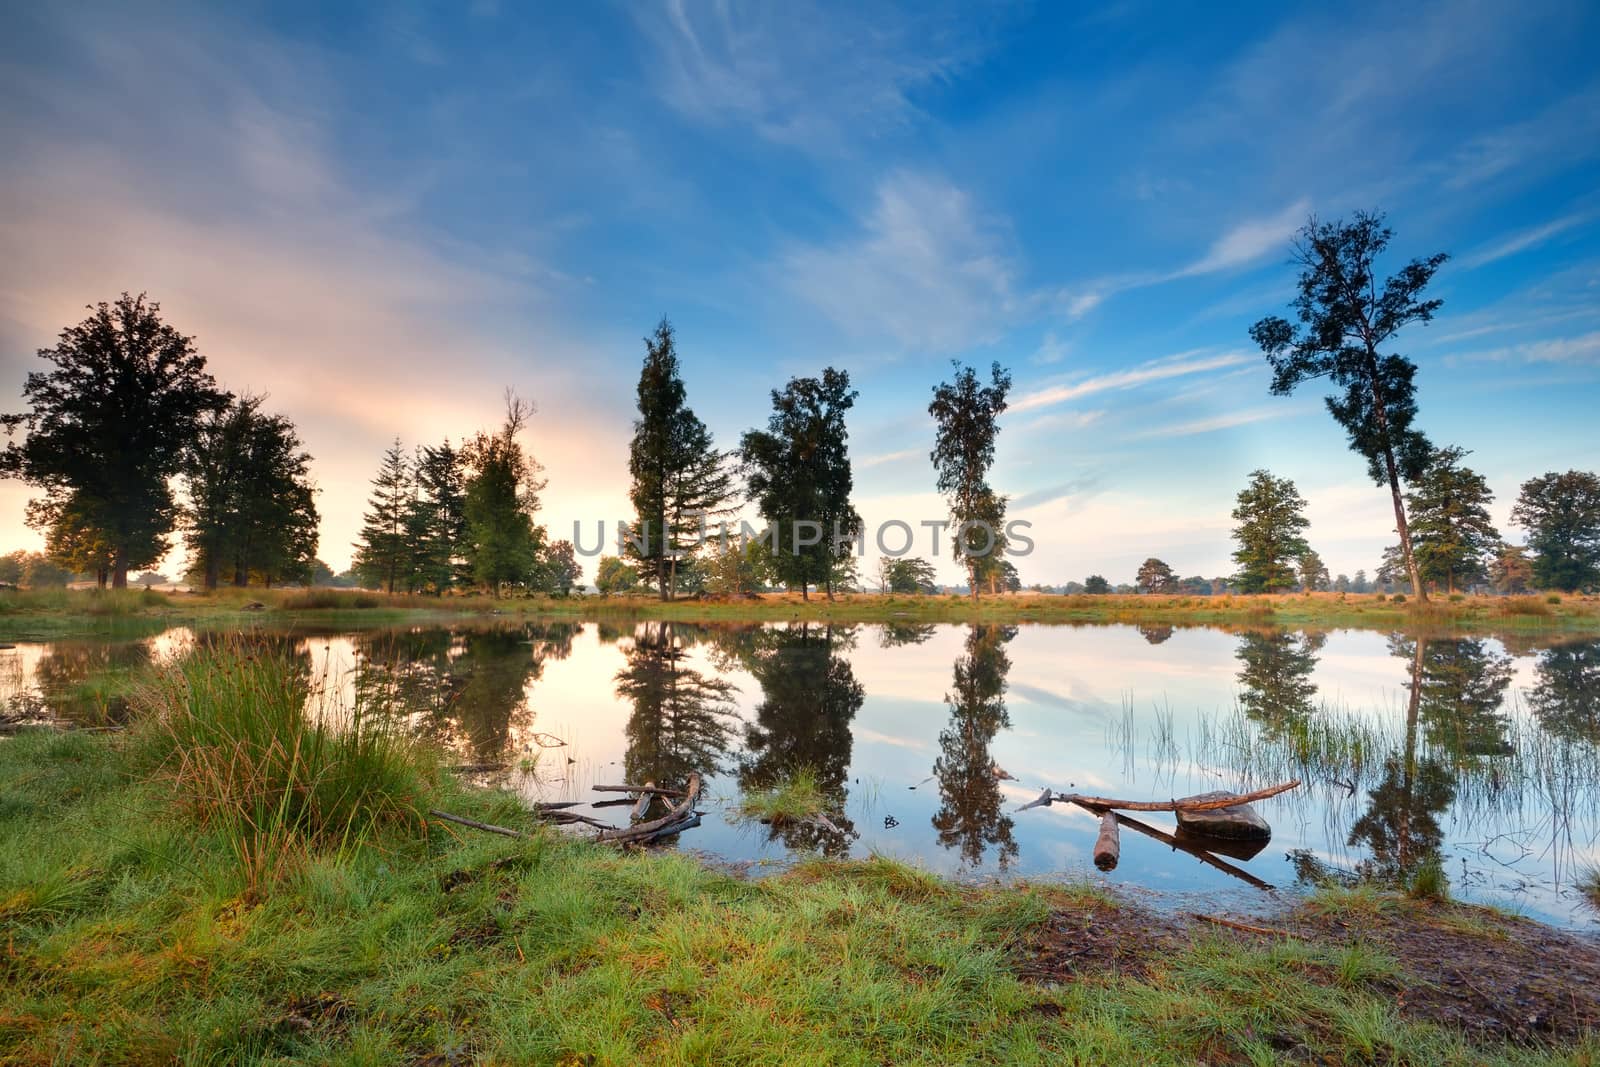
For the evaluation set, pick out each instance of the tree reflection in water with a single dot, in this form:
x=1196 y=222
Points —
x=1565 y=697
x=680 y=718
x=1401 y=824
x=466 y=688
x=809 y=699
x=897 y=634
x=1462 y=684
x=1275 y=686
x=970 y=817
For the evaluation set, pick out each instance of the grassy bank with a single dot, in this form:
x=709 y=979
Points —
x=46 y=613
x=140 y=928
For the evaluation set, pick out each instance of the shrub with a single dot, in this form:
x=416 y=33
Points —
x=275 y=760
x=1456 y=598
x=1552 y=599
x=1379 y=598
x=330 y=599
x=1399 y=598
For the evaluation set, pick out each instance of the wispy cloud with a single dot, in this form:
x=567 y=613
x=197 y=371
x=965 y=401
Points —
x=1565 y=132
x=1051 y=350
x=1250 y=241
x=1583 y=349
x=1077 y=487
x=928 y=269
x=1155 y=371
x=801 y=76
x=1214 y=423
x=1523 y=240
x=889 y=457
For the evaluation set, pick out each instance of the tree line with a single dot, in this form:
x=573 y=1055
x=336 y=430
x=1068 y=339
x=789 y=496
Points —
x=1453 y=539
x=129 y=438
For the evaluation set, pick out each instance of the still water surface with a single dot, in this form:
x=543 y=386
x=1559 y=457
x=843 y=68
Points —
x=1479 y=752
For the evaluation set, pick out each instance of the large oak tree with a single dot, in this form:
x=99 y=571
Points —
x=107 y=429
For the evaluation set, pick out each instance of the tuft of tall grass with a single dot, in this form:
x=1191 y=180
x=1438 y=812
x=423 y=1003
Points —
x=274 y=759
x=1589 y=886
x=797 y=797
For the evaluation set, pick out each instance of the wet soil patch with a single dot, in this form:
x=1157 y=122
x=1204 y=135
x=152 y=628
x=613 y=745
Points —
x=1097 y=939
x=1492 y=976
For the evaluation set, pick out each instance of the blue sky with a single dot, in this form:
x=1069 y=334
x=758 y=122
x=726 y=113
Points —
x=382 y=215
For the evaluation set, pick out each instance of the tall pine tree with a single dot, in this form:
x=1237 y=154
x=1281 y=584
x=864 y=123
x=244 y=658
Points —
x=383 y=555
x=679 y=478
x=1345 y=321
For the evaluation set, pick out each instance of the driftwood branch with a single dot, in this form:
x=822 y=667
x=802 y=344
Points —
x=1182 y=804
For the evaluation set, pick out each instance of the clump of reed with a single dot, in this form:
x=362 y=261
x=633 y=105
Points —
x=275 y=760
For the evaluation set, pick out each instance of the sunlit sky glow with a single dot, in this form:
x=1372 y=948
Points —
x=383 y=215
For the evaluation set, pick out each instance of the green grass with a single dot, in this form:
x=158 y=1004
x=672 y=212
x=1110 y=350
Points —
x=129 y=940
x=57 y=611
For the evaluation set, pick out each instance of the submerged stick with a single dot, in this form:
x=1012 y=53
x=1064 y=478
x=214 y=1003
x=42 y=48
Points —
x=647 y=788
x=1198 y=853
x=1108 y=846
x=503 y=831
x=1246 y=927
x=1182 y=804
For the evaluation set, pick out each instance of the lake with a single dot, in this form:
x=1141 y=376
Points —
x=1480 y=752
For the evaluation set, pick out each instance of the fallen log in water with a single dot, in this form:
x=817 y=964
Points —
x=682 y=811
x=1198 y=853
x=1108 y=846
x=1209 y=802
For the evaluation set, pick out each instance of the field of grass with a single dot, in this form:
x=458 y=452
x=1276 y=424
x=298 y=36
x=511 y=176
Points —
x=44 y=613
x=140 y=928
